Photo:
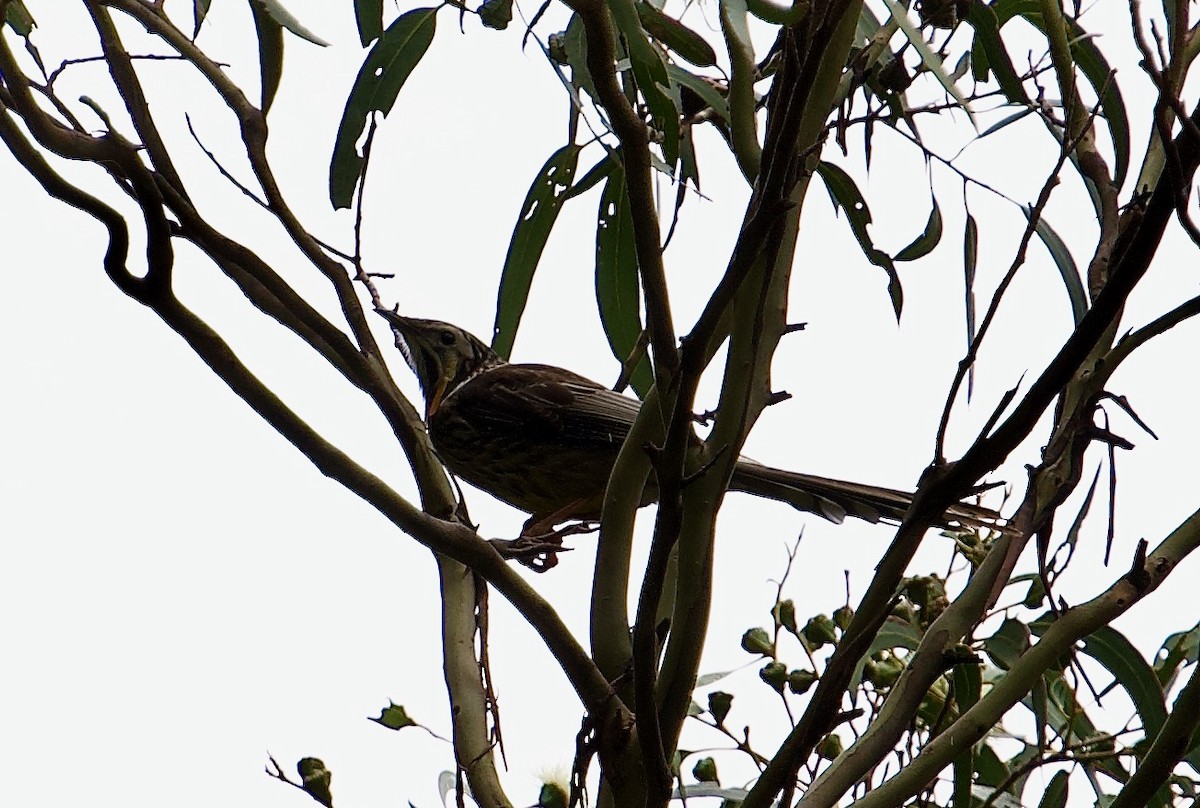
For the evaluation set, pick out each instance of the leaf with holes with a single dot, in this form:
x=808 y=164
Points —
x=846 y=196
x=539 y=211
x=386 y=68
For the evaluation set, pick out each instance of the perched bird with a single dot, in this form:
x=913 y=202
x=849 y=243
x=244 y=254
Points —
x=544 y=439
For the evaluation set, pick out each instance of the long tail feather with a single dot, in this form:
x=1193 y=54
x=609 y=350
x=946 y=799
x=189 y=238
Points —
x=837 y=499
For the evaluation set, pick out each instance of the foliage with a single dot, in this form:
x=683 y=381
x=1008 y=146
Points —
x=941 y=690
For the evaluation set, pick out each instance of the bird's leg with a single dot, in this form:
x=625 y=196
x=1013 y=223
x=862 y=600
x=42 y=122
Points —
x=543 y=525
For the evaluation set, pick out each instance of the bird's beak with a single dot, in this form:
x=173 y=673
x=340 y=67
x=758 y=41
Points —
x=423 y=364
x=394 y=318
x=407 y=342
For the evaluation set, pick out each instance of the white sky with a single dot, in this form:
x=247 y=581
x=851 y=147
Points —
x=183 y=592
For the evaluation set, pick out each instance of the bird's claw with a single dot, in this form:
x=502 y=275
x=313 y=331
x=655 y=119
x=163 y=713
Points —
x=538 y=548
x=539 y=553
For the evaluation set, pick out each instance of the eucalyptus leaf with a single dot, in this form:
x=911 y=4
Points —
x=618 y=291
x=284 y=17
x=681 y=40
x=368 y=15
x=199 y=12
x=539 y=212
x=697 y=84
x=988 y=51
x=846 y=196
x=1065 y=263
x=650 y=73
x=387 y=66
x=924 y=244
x=270 y=53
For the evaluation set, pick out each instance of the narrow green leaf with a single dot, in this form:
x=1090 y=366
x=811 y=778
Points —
x=1113 y=650
x=689 y=175
x=930 y=59
x=650 y=72
x=846 y=196
x=601 y=171
x=617 y=288
x=988 y=50
x=284 y=17
x=923 y=244
x=1008 y=644
x=1093 y=64
x=199 y=12
x=368 y=14
x=1072 y=538
x=1003 y=122
x=964 y=770
x=1055 y=795
x=539 y=211
x=270 y=53
x=386 y=68
x=686 y=43
x=970 y=256
x=968 y=683
x=697 y=84
x=575 y=45
x=1065 y=263
x=1039 y=703
x=706 y=679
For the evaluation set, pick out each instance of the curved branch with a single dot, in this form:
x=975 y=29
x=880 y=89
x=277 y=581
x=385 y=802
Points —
x=253 y=126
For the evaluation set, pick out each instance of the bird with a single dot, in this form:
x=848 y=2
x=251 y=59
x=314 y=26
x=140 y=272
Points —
x=545 y=439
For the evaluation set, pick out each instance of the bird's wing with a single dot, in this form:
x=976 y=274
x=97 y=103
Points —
x=546 y=403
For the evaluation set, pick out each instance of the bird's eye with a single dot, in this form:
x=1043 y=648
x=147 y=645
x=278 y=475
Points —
x=447 y=338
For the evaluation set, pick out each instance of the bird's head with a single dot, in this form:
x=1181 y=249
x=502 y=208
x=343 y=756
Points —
x=441 y=355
